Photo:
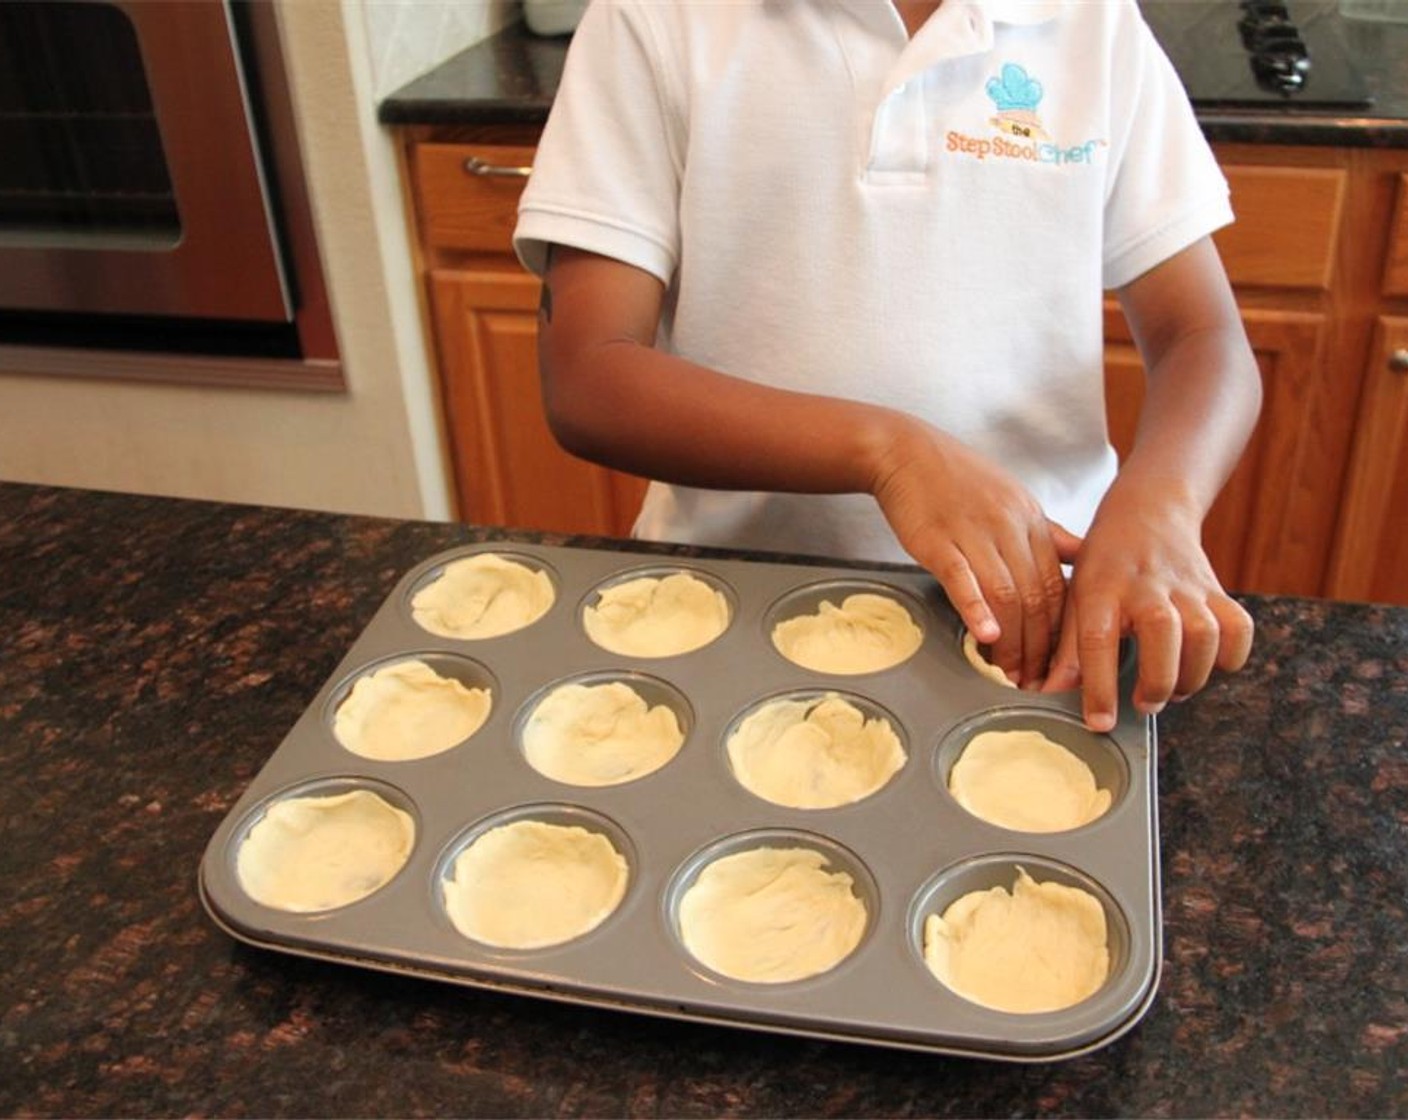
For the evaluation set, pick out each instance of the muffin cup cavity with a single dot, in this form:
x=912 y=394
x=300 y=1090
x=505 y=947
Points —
x=807 y=602
x=983 y=873
x=293 y=852
x=869 y=710
x=834 y=858
x=1099 y=752
x=653 y=691
x=558 y=815
x=435 y=573
x=469 y=673
x=635 y=642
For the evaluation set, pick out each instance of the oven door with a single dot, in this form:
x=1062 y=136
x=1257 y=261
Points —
x=131 y=182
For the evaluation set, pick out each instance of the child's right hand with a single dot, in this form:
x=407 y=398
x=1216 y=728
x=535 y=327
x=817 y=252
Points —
x=984 y=538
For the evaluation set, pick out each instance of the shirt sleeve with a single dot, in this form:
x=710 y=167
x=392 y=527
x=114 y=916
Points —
x=1165 y=190
x=606 y=176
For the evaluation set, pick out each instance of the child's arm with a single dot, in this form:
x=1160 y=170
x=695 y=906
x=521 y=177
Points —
x=1142 y=569
x=612 y=398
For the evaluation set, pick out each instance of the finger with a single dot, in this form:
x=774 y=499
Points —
x=1098 y=645
x=1005 y=598
x=1067 y=543
x=1160 y=631
x=1029 y=627
x=1048 y=554
x=960 y=584
x=1200 y=644
x=1042 y=590
x=1037 y=636
x=1064 y=674
x=1235 y=631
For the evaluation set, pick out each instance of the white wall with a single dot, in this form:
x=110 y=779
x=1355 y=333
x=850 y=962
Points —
x=409 y=37
x=374 y=449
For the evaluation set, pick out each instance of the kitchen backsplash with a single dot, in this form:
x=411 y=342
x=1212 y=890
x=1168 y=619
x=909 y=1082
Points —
x=409 y=37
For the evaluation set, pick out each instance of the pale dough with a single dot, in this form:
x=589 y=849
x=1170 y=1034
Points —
x=1023 y=781
x=657 y=617
x=771 y=915
x=1040 y=948
x=866 y=633
x=529 y=884
x=599 y=735
x=316 y=853
x=814 y=754
x=406 y=711
x=482 y=596
x=975 y=657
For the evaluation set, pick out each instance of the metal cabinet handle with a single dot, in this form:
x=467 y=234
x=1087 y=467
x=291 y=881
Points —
x=1398 y=360
x=476 y=166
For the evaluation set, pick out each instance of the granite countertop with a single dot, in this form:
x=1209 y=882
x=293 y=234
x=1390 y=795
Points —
x=157 y=650
x=512 y=77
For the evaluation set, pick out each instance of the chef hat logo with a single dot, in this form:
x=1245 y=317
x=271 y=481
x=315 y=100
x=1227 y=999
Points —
x=1014 y=90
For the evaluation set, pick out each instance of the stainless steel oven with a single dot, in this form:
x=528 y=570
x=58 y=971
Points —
x=152 y=196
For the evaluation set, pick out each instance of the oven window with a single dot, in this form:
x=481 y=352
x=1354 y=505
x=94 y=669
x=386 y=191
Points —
x=83 y=163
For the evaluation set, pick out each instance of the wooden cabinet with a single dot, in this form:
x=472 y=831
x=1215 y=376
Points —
x=1371 y=553
x=1370 y=559
x=483 y=311
x=1396 y=265
x=1318 y=258
x=1318 y=253
x=509 y=468
x=1260 y=533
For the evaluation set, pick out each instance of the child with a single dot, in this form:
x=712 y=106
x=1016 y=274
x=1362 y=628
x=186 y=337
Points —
x=831 y=272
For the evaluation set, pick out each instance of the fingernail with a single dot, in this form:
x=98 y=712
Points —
x=1100 y=721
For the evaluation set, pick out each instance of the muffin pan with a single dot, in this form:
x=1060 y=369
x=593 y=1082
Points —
x=909 y=848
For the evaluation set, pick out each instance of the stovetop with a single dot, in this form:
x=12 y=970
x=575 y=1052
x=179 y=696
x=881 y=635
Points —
x=1258 y=53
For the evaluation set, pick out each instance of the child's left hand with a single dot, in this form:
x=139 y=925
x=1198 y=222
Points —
x=1142 y=572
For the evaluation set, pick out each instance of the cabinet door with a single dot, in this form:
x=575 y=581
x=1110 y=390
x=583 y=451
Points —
x=509 y=470
x=1270 y=529
x=1371 y=549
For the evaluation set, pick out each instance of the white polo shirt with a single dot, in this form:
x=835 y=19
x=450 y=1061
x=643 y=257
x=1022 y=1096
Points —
x=835 y=208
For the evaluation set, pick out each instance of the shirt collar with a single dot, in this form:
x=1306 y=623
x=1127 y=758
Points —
x=1022 y=13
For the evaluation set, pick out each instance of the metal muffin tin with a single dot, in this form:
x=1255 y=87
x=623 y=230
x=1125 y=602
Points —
x=910 y=848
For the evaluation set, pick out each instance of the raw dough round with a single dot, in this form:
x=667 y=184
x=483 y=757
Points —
x=483 y=596
x=317 y=853
x=529 y=884
x=657 y=617
x=1040 y=948
x=813 y=754
x=1023 y=781
x=599 y=735
x=771 y=915
x=406 y=711
x=973 y=652
x=865 y=634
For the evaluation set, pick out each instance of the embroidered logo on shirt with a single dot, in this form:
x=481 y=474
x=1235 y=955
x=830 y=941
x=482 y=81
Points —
x=1015 y=94
x=1016 y=97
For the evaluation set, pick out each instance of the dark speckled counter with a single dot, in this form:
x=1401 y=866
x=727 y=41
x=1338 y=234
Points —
x=155 y=652
x=512 y=77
